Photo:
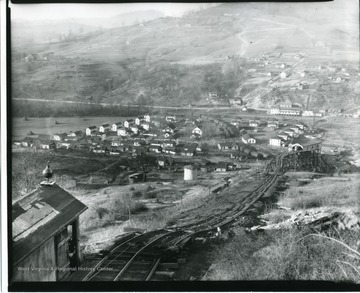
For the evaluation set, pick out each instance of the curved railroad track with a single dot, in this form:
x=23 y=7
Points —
x=138 y=256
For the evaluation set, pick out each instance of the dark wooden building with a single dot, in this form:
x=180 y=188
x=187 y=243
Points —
x=45 y=235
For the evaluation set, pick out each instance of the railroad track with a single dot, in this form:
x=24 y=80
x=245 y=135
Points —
x=139 y=257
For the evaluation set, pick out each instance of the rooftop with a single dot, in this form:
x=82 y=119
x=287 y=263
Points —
x=40 y=215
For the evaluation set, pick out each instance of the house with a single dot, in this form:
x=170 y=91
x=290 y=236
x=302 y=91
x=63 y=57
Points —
x=197 y=131
x=74 y=136
x=289 y=132
x=169 y=129
x=116 y=125
x=45 y=224
x=247 y=139
x=155 y=149
x=147 y=118
x=283 y=75
x=300 y=126
x=117 y=142
x=295 y=129
x=273 y=124
x=90 y=130
x=276 y=141
x=128 y=122
x=123 y=132
x=139 y=120
x=64 y=145
x=105 y=127
x=162 y=162
x=114 y=151
x=170 y=118
x=45 y=144
x=189 y=150
x=308 y=113
x=169 y=150
x=290 y=111
x=254 y=123
x=134 y=129
x=139 y=143
x=145 y=126
x=228 y=146
x=242 y=131
x=156 y=143
x=60 y=137
x=28 y=142
x=235 y=102
x=223 y=167
x=169 y=144
x=99 y=150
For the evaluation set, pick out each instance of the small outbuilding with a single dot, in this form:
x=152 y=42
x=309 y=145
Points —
x=45 y=235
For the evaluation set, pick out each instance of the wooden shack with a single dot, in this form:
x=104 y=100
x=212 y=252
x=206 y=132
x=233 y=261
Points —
x=45 y=235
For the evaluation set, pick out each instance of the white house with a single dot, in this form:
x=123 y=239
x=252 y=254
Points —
x=170 y=118
x=145 y=126
x=169 y=129
x=147 y=117
x=128 y=122
x=197 y=131
x=122 y=132
x=308 y=113
x=254 y=123
x=90 y=130
x=276 y=141
x=283 y=75
x=60 y=137
x=116 y=125
x=134 y=129
x=103 y=128
x=138 y=120
x=246 y=138
x=283 y=136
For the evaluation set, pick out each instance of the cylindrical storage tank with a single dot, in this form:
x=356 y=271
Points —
x=190 y=173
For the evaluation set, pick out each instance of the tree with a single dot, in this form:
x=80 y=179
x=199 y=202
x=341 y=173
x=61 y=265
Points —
x=26 y=174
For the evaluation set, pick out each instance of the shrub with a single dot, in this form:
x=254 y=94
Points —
x=137 y=193
x=138 y=207
x=132 y=188
x=101 y=212
x=289 y=255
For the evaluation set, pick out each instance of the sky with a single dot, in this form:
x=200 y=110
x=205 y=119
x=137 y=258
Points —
x=72 y=10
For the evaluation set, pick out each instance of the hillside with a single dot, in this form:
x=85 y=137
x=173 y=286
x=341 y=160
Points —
x=177 y=61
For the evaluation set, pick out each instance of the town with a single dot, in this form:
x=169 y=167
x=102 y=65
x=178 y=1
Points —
x=217 y=143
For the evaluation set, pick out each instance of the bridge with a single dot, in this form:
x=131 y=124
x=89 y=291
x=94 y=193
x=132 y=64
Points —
x=304 y=160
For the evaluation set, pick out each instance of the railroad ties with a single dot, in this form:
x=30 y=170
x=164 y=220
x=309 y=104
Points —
x=138 y=258
x=156 y=254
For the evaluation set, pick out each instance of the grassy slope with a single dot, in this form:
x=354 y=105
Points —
x=121 y=54
x=295 y=254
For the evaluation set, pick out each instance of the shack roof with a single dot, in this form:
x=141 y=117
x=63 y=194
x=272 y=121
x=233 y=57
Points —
x=301 y=140
x=39 y=216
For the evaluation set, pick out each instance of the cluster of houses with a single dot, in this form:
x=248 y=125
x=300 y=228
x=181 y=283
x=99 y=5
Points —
x=132 y=135
x=289 y=109
x=295 y=137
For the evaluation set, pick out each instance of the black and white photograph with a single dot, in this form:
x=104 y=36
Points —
x=170 y=145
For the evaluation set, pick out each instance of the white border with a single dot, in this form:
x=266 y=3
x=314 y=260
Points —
x=3 y=149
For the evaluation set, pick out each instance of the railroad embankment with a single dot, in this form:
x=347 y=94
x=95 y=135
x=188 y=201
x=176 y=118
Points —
x=309 y=230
